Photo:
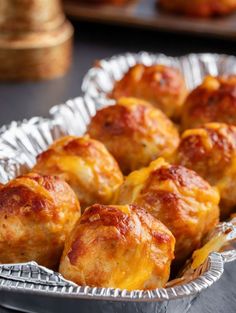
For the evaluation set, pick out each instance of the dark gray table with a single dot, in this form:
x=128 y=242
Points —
x=18 y=101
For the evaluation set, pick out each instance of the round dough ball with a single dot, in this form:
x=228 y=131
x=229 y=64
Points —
x=119 y=247
x=36 y=214
x=213 y=101
x=161 y=85
x=134 y=132
x=86 y=165
x=211 y=152
x=199 y=8
x=179 y=198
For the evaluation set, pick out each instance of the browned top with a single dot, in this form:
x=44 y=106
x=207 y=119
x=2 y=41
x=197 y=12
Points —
x=34 y=195
x=179 y=175
x=213 y=101
x=134 y=132
x=86 y=165
x=108 y=216
x=120 y=120
x=209 y=150
x=161 y=85
x=73 y=146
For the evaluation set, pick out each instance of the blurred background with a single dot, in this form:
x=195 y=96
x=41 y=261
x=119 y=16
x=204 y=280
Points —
x=102 y=30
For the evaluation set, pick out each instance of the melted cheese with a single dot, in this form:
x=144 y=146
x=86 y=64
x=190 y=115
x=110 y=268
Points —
x=200 y=255
x=206 y=140
x=211 y=83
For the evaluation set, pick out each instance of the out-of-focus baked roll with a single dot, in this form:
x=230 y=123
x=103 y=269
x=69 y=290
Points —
x=101 y=2
x=36 y=214
x=233 y=218
x=161 y=85
x=178 y=197
x=213 y=101
x=211 y=152
x=85 y=164
x=199 y=8
x=119 y=247
x=134 y=132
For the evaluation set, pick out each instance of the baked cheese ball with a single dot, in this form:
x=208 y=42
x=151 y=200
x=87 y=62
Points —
x=36 y=214
x=199 y=8
x=118 y=247
x=179 y=198
x=134 y=132
x=213 y=101
x=85 y=164
x=211 y=152
x=161 y=85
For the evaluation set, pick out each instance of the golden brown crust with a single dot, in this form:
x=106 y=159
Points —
x=161 y=85
x=134 y=132
x=36 y=214
x=179 y=198
x=213 y=101
x=85 y=165
x=211 y=152
x=120 y=247
x=199 y=8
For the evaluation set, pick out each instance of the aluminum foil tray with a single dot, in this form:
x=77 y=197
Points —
x=100 y=79
x=33 y=288
x=29 y=286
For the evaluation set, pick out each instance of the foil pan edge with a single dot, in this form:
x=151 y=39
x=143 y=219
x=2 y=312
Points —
x=100 y=79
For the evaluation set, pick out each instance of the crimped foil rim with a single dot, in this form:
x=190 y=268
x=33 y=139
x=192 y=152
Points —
x=11 y=155
x=107 y=70
x=210 y=272
x=215 y=269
